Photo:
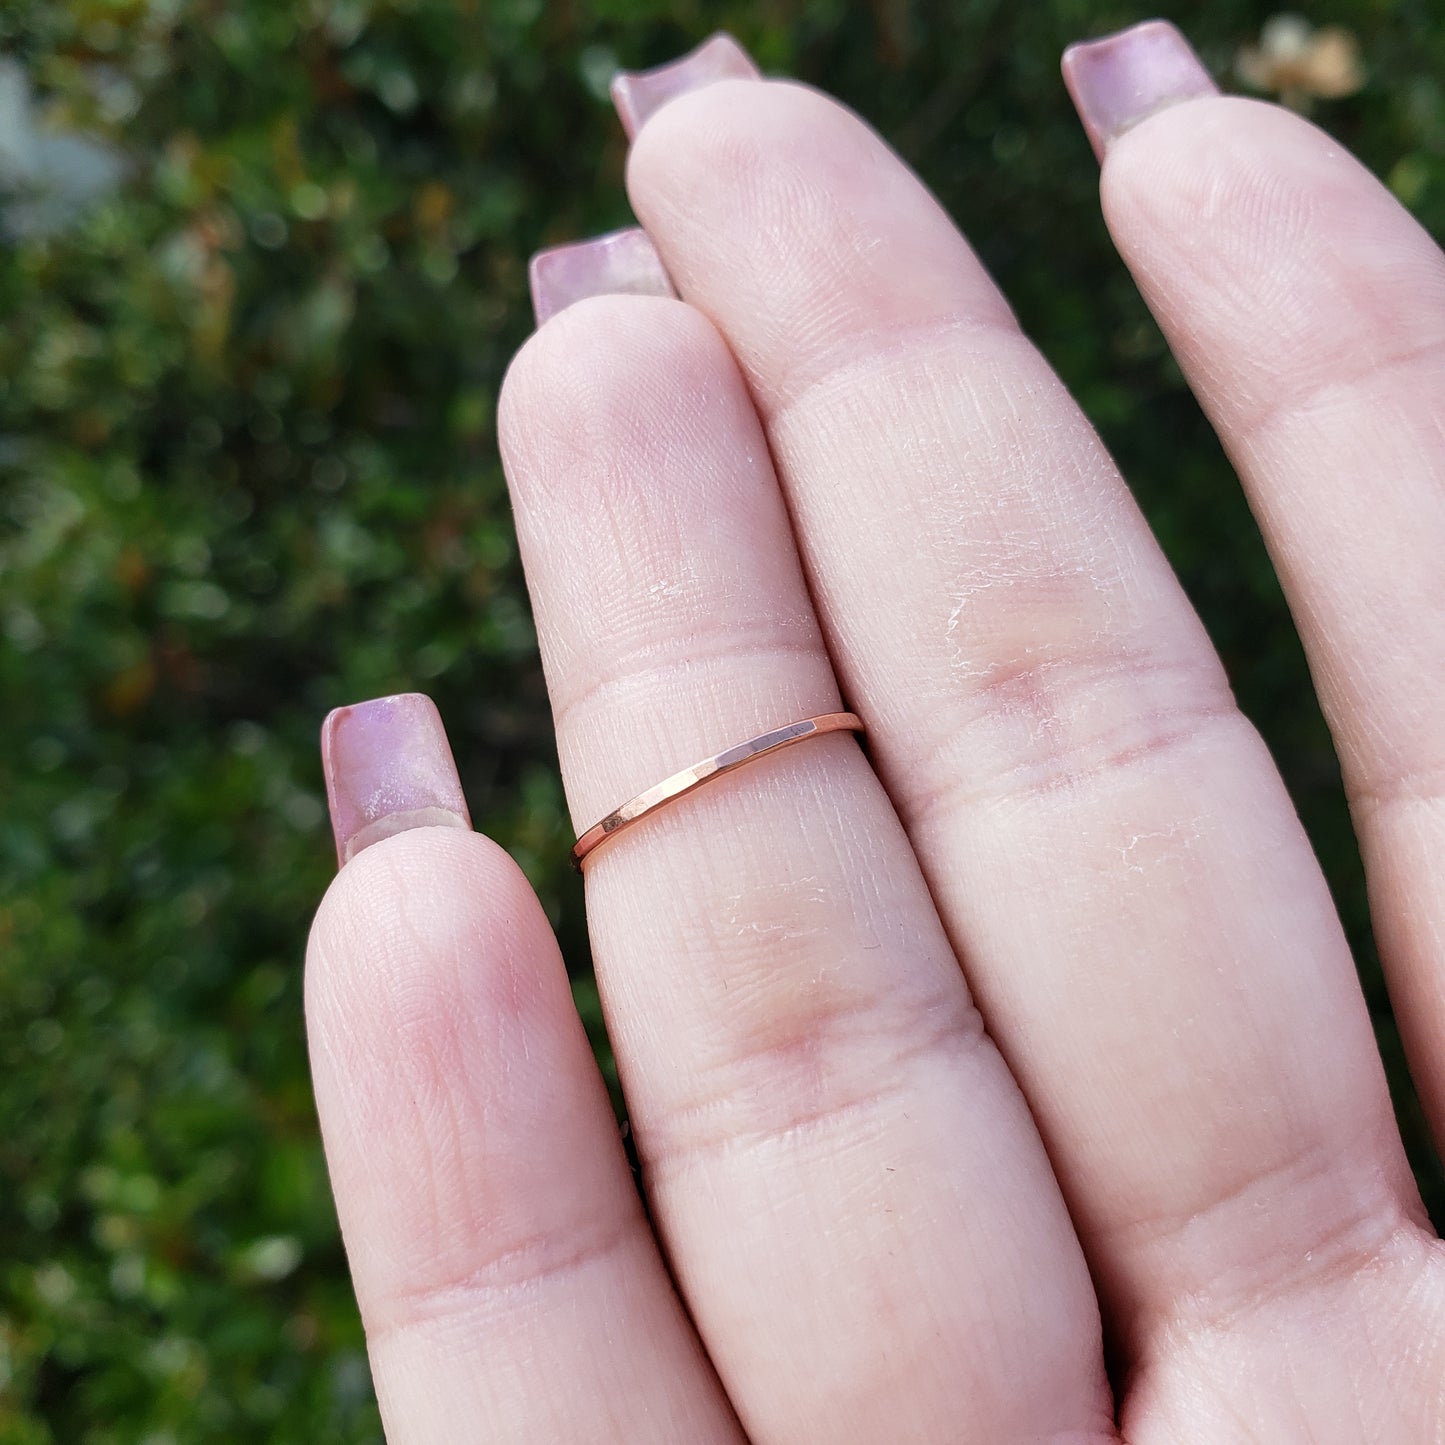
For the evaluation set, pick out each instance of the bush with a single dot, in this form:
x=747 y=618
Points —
x=249 y=473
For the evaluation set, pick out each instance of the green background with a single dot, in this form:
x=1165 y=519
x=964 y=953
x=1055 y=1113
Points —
x=248 y=472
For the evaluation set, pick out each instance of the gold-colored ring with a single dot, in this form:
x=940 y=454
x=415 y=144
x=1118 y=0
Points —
x=679 y=784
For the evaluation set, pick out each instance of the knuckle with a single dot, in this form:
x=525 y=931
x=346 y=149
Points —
x=810 y=1052
x=487 y=1285
x=1059 y=721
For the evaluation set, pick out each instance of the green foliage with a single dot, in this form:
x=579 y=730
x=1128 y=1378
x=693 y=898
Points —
x=248 y=472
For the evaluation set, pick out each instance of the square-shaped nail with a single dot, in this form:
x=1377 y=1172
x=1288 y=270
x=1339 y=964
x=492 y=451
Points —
x=622 y=263
x=640 y=94
x=388 y=768
x=1121 y=79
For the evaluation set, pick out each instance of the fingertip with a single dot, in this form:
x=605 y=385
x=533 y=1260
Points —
x=422 y=925
x=609 y=365
x=1223 y=163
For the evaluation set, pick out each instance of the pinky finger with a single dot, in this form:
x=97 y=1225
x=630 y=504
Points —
x=509 y=1283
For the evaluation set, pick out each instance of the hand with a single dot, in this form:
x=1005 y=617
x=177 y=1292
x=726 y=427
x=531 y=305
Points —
x=1028 y=1026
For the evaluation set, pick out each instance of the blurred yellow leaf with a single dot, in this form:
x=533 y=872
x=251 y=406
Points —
x=433 y=207
x=1297 y=62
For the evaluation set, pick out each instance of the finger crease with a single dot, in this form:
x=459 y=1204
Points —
x=712 y=1127
x=645 y=670
x=1059 y=752
x=537 y=1263
x=1284 y=409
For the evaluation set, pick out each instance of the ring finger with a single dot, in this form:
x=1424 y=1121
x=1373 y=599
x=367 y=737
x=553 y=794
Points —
x=828 y=1138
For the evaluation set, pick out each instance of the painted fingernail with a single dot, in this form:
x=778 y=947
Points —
x=1120 y=80
x=622 y=263
x=639 y=94
x=388 y=768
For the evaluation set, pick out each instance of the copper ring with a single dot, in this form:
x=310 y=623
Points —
x=679 y=784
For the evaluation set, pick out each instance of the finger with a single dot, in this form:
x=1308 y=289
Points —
x=1142 y=921
x=1308 y=310
x=509 y=1284
x=851 y=1194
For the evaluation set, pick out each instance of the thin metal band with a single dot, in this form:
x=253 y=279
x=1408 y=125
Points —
x=688 y=779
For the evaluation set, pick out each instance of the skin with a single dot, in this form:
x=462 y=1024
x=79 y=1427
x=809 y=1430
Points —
x=1031 y=1035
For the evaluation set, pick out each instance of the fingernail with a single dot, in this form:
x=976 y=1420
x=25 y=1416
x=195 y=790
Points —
x=639 y=94
x=622 y=263
x=388 y=768
x=1120 y=80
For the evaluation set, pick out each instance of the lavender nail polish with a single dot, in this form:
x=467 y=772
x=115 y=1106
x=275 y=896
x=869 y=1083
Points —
x=1121 y=79
x=620 y=263
x=639 y=94
x=388 y=768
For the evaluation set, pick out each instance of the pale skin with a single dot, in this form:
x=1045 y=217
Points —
x=1009 y=1080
